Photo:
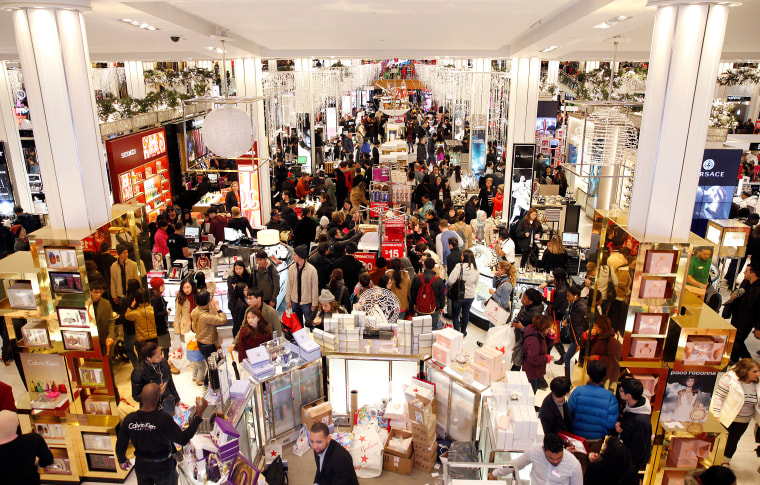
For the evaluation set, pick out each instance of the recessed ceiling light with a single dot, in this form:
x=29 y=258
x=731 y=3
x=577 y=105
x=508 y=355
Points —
x=551 y=48
x=143 y=26
x=150 y=27
x=611 y=22
x=129 y=21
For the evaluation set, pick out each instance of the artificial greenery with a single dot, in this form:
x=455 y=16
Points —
x=595 y=85
x=170 y=89
x=721 y=115
x=739 y=77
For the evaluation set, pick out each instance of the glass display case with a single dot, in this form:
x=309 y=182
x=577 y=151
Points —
x=457 y=402
x=373 y=377
x=278 y=399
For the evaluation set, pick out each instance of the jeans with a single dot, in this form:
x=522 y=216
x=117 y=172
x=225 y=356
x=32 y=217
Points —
x=435 y=316
x=735 y=432
x=463 y=306
x=206 y=351
x=163 y=473
x=534 y=383
x=568 y=356
x=303 y=312
x=129 y=348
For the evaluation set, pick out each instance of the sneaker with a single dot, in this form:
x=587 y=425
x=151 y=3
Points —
x=480 y=344
x=559 y=362
x=173 y=369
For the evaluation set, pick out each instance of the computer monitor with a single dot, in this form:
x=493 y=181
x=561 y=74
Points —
x=231 y=234
x=192 y=233
x=570 y=239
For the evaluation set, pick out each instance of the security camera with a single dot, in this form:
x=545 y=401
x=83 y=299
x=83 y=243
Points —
x=175 y=38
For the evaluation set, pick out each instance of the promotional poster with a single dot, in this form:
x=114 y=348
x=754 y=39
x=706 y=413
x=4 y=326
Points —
x=687 y=396
x=718 y=177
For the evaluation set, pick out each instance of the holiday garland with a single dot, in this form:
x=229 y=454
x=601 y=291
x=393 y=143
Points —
x=740 y=77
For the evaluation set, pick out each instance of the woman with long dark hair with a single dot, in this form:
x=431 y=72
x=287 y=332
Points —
x=341 y=189
x=455 y=179
x=255 y=332
x=338 y=288
x=468 y=272
x=528 y=229
x=487 y=193
x=471 y=209
x=401 y=286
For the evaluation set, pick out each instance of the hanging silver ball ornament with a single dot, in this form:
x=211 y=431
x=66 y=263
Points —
x=227 y=132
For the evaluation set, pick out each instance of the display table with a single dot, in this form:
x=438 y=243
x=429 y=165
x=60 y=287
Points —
x=553 y=210
x=457 y=401
x=374 y=376
x=211 y=198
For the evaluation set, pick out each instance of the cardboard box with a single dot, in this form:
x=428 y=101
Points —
x=420 y=412
x=399 y=434
x=420 y=446
x=426 y=460
x=423 y=432
x=397 y=464
x=319 y=411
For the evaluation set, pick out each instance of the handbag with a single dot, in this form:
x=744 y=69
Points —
x=456 y=290
x=495 y=313
x=565 y=335
x=275 y=473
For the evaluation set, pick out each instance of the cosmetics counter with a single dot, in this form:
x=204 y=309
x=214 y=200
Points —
x=70 y=400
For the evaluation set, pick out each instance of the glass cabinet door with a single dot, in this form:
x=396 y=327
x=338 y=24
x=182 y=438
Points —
x=308 y=385
x=281 y=395
x=462 y=414
x=442 y=383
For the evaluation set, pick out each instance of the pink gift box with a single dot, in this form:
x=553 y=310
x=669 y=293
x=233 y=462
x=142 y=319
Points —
x=648 y=323
x=489 y=358
x=441 y=354
x=701 y=348
x=686 y=452
x=451 y=339
x=659 y=262
x=643 y=348
x=649 y=382
x=673 y=477
x=481 y=373
x=653 y=288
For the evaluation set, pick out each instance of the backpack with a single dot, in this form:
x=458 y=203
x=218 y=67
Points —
x=460 y=231
x=425 y=302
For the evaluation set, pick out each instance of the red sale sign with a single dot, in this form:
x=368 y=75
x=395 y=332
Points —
x=368 y=259
x=392 y=250
x=377 y=208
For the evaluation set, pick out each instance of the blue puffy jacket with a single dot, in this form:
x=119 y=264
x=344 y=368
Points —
x=594 y=411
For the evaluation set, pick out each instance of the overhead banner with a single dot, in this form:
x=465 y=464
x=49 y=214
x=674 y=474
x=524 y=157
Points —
x=718 y=177
x=248 y=181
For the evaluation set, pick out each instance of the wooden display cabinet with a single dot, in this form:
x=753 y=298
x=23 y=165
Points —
x=95 y=439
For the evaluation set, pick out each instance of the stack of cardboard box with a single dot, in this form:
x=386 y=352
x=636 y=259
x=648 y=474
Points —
x=319 y=411
x=398 y=452
x=487 y=366
x=328 y=341
x=423 y=433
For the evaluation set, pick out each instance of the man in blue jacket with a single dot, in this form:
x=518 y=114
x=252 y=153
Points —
x=593 y=409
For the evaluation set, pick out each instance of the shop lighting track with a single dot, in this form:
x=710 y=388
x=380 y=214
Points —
x=612 y=22
x=138 y=24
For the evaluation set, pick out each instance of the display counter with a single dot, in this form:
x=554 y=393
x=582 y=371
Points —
x=240 y=413
x=277 y=400
x=457 y=402
x=375 y=377
x=207 y=200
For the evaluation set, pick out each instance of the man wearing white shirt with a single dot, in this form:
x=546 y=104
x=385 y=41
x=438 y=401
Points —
x=442 y=240
x=550 y=464
x=506 y=246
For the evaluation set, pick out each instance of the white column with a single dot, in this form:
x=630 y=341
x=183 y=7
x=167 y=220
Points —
x=754 y=103
x=14 y=154
x=135 y=78
x=683 y=65
x=523 y=108
x=479 y=104
x=272 y=65
x=304 y=97
x=552 y=75
x=591 y=65
x=52 y=47
x=248 y=83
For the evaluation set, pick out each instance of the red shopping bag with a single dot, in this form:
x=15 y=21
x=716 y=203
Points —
x=290 y=322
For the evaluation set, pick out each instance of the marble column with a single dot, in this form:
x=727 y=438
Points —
x=52 y=46
x=14 y=154
x=686 y=45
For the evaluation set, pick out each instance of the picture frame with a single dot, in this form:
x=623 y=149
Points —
x=101 y=462
x=656 y=288
x=76 y=340
x=661 y=262
x=242 y=472
x=96 y=406
x=21 y=295
x=97 y=442
x=61 y=258
x=91 y=376
x=64 y=283
x=49 y=430
x=72 y=317
x=36 y=334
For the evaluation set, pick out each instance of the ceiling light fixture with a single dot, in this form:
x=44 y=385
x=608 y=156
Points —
x=137 y=23
x=551 y=48
x=612 y=22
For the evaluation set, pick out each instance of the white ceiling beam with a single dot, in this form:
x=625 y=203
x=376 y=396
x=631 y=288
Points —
x=189 y=21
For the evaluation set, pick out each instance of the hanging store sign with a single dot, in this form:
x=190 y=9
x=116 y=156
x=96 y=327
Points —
x=369 y=259
x=392 y=250
x=248 y=181
x=718 y=177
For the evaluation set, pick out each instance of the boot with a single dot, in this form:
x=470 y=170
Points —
x=173 y=369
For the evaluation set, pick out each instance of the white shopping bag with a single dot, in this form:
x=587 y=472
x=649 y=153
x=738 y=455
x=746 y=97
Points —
x=367 y=452
x=178 y=353
x=495 y=313
x=501 y=338
x=753 y=346
x=301 y=446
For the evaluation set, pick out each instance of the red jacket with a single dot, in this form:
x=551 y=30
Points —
x=218 y=224
x=536 y=347
x=498 y=203
x=246 y=340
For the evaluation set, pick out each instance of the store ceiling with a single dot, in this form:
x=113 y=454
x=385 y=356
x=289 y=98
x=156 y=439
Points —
x=382 y=28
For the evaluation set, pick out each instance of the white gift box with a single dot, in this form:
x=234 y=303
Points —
x=257 y=355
